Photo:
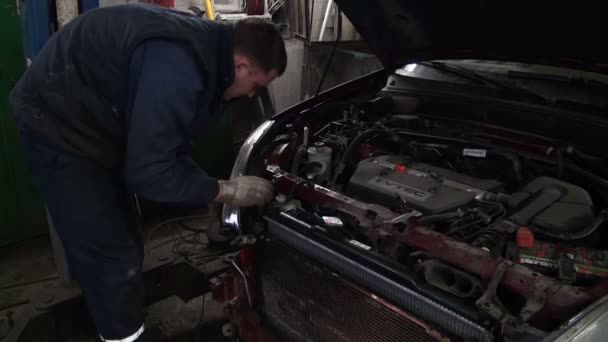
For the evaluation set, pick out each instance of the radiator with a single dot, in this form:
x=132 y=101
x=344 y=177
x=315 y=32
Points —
x=307 y=302
x=310 y=294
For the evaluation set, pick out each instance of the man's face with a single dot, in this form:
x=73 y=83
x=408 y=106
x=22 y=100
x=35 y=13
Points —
x=248 y=78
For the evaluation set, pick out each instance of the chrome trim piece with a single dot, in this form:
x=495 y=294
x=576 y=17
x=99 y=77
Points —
x=131 y=338
x=231 y=216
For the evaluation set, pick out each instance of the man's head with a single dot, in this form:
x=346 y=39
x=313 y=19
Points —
x=259 y=57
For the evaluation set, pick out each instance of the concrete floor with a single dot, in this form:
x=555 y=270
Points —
x=28 y=268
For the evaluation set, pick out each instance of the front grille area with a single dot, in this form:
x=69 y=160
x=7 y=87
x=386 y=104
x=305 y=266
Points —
x=307 y=302
x=314 y=293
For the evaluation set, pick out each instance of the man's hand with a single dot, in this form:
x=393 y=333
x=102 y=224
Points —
x=245 y=191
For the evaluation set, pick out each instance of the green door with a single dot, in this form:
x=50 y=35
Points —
x=21 y=208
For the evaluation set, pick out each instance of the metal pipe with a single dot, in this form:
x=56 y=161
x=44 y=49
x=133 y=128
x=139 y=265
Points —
x=300 y=152
x=209 y=10
x=305 y=136
x=325 y=17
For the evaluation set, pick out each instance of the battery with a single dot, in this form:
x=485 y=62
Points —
x=585 y=261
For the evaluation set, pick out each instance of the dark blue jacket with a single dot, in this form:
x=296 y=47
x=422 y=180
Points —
x=164 y=88
x=79 y=95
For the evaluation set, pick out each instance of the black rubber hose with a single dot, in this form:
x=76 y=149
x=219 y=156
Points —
x=429 y=145
x=515 y=162
x=297 y=159
x=499 y=212
x=592 y=177
x=586 y=157
x=351 y=147
x=440 y=217
x=331 y=55
x=599 y=220
x=560 y=163
x=510 y=156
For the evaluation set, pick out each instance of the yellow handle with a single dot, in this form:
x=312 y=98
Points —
x=209 y=10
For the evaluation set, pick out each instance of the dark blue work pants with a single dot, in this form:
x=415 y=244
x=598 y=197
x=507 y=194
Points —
x=97 y=225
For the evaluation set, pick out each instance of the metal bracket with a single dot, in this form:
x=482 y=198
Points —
x=486 y=302
x=489 y=303
x=534 y=304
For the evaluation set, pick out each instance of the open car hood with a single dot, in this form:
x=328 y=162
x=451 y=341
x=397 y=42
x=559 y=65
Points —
x=569 y=34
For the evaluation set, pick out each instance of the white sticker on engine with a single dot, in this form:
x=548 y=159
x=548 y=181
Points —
x=474 y=152
x=359 y=244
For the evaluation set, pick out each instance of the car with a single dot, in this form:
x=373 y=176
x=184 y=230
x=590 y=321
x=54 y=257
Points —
x=458 y=194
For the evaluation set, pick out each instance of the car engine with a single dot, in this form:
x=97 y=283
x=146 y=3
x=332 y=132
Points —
x=513 y=233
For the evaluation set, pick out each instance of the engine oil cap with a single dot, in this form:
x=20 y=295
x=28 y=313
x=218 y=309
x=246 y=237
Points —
x=524 y=237
x=400 y=168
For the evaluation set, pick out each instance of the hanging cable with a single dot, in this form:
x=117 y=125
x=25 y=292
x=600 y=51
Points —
x=331 y=55
x=307 y=47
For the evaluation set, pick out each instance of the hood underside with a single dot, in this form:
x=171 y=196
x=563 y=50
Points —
x=568 y=34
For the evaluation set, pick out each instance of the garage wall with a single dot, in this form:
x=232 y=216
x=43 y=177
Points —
x=285 y=91
x=346 y=65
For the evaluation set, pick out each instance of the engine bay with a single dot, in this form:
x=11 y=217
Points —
x=511 y=224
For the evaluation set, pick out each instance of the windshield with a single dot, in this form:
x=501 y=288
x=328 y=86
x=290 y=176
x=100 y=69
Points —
x=545 y=84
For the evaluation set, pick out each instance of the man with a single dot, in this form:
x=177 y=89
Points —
x=108 y=108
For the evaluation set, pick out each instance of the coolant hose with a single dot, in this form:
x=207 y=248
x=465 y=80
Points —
x=297 y=159
x=440 y=217
x=351 y=147
x=300 y=152
x=515 y=162
x=596 y=180
x=560 y=163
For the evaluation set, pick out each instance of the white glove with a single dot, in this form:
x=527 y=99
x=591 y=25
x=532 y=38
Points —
x=245 y=191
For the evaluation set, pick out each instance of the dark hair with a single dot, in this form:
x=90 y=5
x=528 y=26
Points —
x=261 y=41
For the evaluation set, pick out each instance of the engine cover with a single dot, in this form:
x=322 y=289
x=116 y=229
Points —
x=386 y=180
x=556 y=206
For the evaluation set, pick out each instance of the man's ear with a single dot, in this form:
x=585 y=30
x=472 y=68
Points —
x=241 y=61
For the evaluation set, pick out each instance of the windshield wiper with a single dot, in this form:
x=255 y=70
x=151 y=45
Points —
x=581 y=81
x=476 y=77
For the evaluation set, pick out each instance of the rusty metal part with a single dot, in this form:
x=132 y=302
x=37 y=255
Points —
x=488 y=302
x=368 y=215
x=451 y=279
x=245 y=323
x=546 y=298
x=245 y=282
x=547 y=301
x=249 y=324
